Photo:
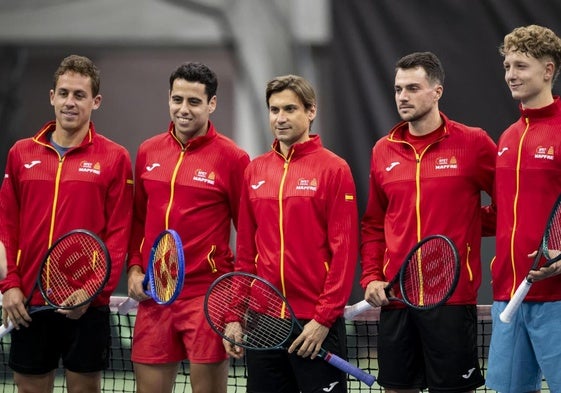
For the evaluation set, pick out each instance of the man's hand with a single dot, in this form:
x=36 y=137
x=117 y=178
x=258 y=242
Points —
x=234 y=331
x=13 y=308
x=309 y=342
x=546 y=271
x=134 y=282
x=375 y=293
x=76 y=297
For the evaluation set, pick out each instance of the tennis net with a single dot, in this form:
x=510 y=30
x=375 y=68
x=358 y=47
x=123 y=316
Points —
x=362 y=333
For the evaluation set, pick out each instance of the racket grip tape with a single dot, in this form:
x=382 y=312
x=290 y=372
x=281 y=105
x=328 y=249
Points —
x=356 y=309
x=5 y=330
x=345 y=366
x=515 y=302
x=125 y=307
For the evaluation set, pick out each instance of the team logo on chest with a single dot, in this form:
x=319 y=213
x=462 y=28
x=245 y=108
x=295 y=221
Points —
x=446 y=163
x=204 y=176
x=90 y=167
x=307 y=184
x=545 y=153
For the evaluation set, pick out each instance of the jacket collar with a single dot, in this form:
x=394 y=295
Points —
x=546 y=111
x=197 y=141
x=299 y=149
x=43 y=136
x=397 y=133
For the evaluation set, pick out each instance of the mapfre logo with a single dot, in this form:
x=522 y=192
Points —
x=307 y=185
x=204 y=176
x=90 y=167
x=545 y=153
x=446 y=163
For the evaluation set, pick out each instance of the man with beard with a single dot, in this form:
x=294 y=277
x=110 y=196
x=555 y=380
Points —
x=426 y=178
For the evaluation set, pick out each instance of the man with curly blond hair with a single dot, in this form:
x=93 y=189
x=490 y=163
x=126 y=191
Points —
x=528 y=181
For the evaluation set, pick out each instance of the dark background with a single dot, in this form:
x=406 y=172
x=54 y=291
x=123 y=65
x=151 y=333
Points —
x=352 y=71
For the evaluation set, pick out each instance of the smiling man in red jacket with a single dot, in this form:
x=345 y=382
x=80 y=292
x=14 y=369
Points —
x=187 y=179
x=65 y=177
x=528 y=181
x=298 y=229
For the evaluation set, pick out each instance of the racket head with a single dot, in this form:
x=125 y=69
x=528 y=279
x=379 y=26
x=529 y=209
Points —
x=430 y=273
x=551 y=240
x=74 y=270
x=166 y=267
x=265 y=318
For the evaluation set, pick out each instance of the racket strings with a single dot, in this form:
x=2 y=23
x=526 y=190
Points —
x=166 y=268
x=430 y=273
x=552 y=238
x=75 y=270
x=262 y=315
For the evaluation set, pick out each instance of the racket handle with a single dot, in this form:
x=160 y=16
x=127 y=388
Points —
x=5 y=330
x=125 y=307
x=345 y=366
x=515 y=302
x=356 y=309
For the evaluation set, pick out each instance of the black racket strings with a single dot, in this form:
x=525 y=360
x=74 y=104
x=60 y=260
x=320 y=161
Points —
x=265 y=318
x=553 y=235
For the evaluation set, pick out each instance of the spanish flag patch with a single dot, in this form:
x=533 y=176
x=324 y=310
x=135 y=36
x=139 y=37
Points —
x=349 y=197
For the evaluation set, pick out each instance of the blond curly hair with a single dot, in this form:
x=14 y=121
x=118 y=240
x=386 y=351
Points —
x=536 y=41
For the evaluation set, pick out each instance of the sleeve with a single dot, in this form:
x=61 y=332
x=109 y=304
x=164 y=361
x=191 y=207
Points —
x=139 y=214
x=486 y=176
x=9 y=217
x=246 y=250
x=235 y=186
x=118 y=213
x=373 y=242
x=342 y=237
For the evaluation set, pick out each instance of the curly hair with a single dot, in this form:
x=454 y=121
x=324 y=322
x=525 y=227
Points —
x=536 y=41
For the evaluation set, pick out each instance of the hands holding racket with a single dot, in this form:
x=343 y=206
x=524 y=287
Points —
x=73 y=272
x=544 y=264
x=165 y=275
x=249 y=312
x=427 y=278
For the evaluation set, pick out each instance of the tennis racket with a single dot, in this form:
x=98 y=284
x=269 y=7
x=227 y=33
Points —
x=551 y=240
x=165 y=275
x=73 y=272
x=266 y=318
x=427 y=278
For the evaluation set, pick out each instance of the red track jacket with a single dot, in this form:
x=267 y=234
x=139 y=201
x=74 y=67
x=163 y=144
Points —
x=194 y=190
x=528 y=181
x=298 y=228
x=434 y=191
x=44 y=196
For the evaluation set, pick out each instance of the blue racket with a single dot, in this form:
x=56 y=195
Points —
x=165 y=275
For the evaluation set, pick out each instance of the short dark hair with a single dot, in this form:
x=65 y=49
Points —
x=196 y=72
x=427 y=61
x=80 y=65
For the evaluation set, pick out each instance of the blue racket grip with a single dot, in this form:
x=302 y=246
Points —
x=345 y=366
